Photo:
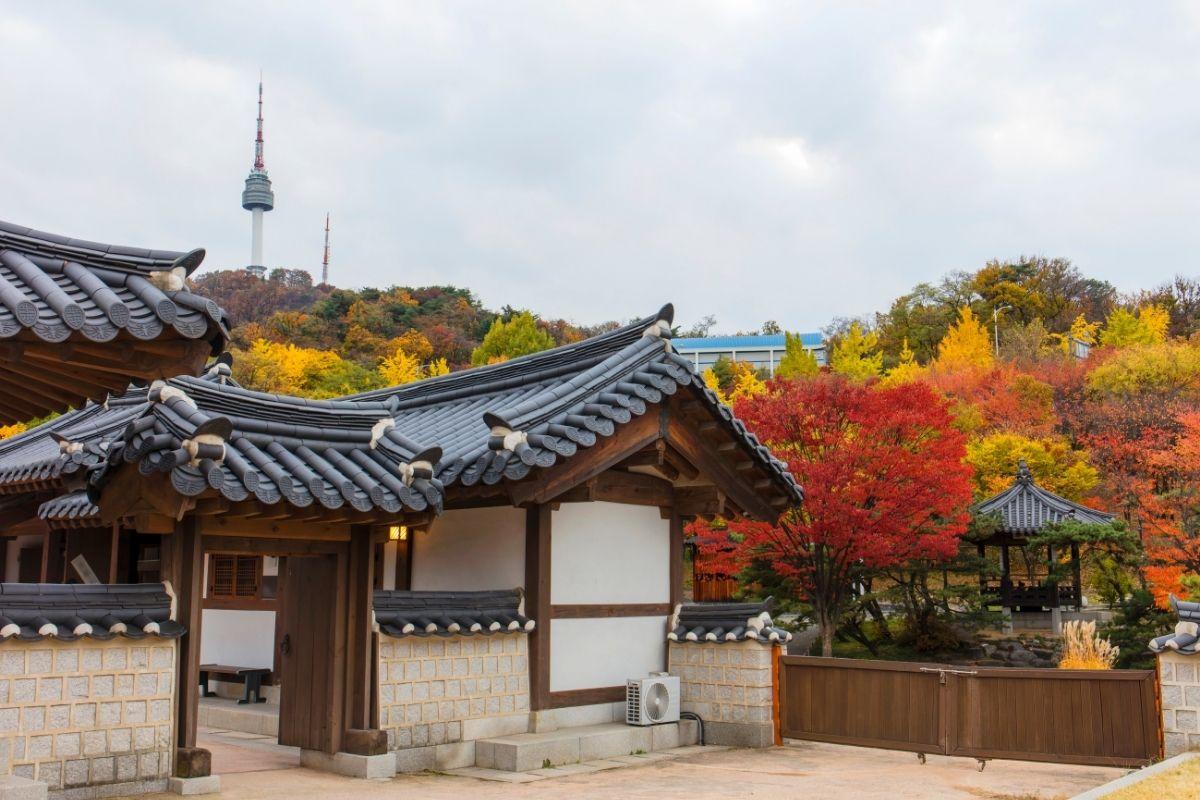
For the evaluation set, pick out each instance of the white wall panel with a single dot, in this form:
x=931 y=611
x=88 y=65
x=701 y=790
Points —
x=593 y=653
x=470 y=550
x=609 y=553
x=237 y=638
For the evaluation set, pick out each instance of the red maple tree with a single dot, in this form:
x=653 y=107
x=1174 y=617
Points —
x=884 y=481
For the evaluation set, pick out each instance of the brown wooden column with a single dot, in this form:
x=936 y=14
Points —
x=676 y=556
x=53 y=565
x=1077 y=575
x=537 y=602
x=114 y=553
x=360 y=676
x=184 y=566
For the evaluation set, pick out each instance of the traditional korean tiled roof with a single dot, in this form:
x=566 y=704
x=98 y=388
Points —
x=274 y=447
x=1186 y=638
x=451 y=613
x=99 y=611
x=502 y=421
x=68 y=445
x=73 y=294
x=71 y=510
x=726 y=622
x=1026 y=508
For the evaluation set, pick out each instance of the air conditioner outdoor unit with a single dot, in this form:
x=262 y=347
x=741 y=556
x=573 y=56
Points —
x=652 y=700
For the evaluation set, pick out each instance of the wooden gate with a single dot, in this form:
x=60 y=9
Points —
x=309 y=675
x=1097 y=717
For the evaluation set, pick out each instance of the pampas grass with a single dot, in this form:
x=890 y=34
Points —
x=1083 y=649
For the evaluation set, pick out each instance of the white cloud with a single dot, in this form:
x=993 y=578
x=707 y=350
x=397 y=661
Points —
x=750 y=160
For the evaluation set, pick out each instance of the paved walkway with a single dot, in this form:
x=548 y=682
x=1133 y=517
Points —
x=800 y=770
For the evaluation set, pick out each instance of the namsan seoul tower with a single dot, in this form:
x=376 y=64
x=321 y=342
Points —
x=257 y=197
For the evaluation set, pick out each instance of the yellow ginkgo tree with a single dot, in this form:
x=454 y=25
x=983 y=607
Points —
x=966 y=345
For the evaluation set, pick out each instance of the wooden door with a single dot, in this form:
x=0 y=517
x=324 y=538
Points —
x=307 y=651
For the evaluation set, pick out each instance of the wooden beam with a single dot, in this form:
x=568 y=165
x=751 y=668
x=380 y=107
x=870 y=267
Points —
x=716 y=467
x=606 y=610
x=267 y=546
x=585 y=697
x=632 y=488
x=699 y=501
x=588 y=462
x=537 y=602
x=277 y=529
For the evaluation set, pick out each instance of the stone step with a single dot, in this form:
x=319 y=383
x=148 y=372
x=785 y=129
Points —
x=227 y=715
x=525 y=752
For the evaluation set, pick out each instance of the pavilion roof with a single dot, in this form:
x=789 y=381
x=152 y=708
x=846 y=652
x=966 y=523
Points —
x=1026 y=508
x=80 y=319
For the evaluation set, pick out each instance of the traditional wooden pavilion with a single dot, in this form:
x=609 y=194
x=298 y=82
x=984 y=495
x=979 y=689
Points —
x=80 y=319
x=1024 y=509
x=567 y=473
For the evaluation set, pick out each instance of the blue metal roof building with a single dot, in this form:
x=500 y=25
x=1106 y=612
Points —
x=763 y=351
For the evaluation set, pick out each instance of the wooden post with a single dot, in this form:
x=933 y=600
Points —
x=981 y=549
x=114 y=553
x=537 y=602
x=676 y=556
x=360 y=666
x=52 y=556
x=4 y=559
x=187 y=573
x=776 y=688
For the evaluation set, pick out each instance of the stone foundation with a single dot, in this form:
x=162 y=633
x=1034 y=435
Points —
x=1179 y=681
x=88 y=718
x=439 y=691
x=729 y=685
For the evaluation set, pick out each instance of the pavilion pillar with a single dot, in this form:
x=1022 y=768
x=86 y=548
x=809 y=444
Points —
x=981 y=549
x=1077 y=576
x=184 y=568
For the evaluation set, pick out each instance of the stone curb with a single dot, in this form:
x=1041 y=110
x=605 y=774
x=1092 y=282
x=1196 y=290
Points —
x=1136 y=777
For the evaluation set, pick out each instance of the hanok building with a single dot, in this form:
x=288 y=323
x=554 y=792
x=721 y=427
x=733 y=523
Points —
x=1022 y=511
x=479 y=554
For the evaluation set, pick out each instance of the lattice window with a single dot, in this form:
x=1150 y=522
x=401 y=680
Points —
x=233 y=576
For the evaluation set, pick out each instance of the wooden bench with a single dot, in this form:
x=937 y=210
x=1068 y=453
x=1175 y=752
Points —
x=251 y=677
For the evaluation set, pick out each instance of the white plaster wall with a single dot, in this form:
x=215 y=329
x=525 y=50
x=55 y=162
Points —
x=593 y=653
x=609 y=553
x=389 y=564
x=471 y=550
x=237 y=638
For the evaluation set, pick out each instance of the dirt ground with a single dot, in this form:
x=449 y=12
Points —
x=800 y=770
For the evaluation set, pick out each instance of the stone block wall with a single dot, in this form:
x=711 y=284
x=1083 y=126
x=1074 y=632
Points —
x=88 y=713
x=442 y=690
x=1179 y=678
x=729 y=685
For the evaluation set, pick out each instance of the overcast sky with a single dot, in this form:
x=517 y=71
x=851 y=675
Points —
x=792 y=161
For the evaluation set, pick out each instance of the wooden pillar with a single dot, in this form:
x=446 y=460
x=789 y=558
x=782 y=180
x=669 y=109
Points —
x=676 y=556
x=360 y=663
x=1051 y=582
x=114 y=552
x=3 y=559
x=52 y=557
x=186 y=565
x=537 y=602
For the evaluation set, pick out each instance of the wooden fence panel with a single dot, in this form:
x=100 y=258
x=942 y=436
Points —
x=885 y=704
x=1097 y=717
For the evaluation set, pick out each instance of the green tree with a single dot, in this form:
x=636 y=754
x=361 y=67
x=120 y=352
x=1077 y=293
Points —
x=518 y=337
x=856 y=354
x=797 y=362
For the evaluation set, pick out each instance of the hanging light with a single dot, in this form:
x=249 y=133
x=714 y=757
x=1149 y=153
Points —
x=398 y=533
